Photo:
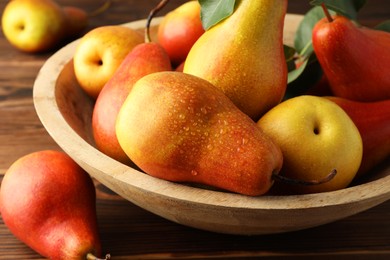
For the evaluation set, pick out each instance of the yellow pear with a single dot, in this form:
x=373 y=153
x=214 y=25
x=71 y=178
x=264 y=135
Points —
x=316 y=137
x=100 y=52
x=33 y=25
x=243 y=56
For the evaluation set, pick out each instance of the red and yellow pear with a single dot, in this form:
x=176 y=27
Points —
x=189 y=131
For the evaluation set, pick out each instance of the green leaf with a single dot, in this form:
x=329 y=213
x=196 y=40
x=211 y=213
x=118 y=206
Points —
x=303 y=77
x=384 y=26
x=214 y=11
x=348 y=8
x=294 y=74
x=302 y=41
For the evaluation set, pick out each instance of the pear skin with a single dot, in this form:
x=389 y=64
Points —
x=179 y=30
x=243 y=56
x=48 y=202
x=144 y=59
x=76 y=21
x=181 y=128
x=354 y=59
x=373 y=122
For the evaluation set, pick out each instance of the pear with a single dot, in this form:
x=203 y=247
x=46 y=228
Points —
x=144 y=59
x=243 y=56
x=48 y=202
x=33 y=25
x=100 y=52
x=179 y=30
x=316 y=138
x=373 y=122
x=76 y=20
x=41 y=25
x=355 y=59
x=181 y=128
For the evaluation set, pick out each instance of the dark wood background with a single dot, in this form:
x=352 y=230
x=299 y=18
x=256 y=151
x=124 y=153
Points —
x=129 y=232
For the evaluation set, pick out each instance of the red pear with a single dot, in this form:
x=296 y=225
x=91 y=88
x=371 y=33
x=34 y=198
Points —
x=144 y=59
x=355 y=59
x=373 y=122
x=76 y=20
x=320 y=88
x=179 y=30
x=48 y=202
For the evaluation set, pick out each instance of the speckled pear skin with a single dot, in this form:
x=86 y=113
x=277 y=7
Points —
x=243 y=56
x=189 y=131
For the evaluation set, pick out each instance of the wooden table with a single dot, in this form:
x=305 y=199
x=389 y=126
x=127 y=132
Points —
x=129 y=232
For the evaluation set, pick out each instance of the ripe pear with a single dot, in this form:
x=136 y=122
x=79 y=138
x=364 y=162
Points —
x=99 y=54
x=33 y=25
x=243 y=56
x=181 y=128
x=144 y=59
x=316 y=137
x=41 y=25
x=76 y=20
x=48 y=202
x=373 y=122
x=179 y=30
x=355 y=59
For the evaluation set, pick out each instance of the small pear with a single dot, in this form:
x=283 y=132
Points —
x=179 y=30
x=179 y=127
x=243 y=56
x=33 y=25
x=41 y=25
x=100 y=52
x=355 y=59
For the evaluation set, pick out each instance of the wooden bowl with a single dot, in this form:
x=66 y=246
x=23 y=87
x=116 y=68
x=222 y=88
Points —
x=65 y=111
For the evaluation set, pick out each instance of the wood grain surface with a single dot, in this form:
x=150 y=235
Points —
x=129 y=232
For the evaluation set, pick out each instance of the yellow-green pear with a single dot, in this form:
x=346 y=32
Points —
x=316 y=137
x=243 y=56
x=179 y=127
x=41 y=25
x=33 y=25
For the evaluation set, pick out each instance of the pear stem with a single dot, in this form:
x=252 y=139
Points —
x=101 y=9
x=287 y=180
x=152 y=13
x=92 y=257
x=327 y=14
